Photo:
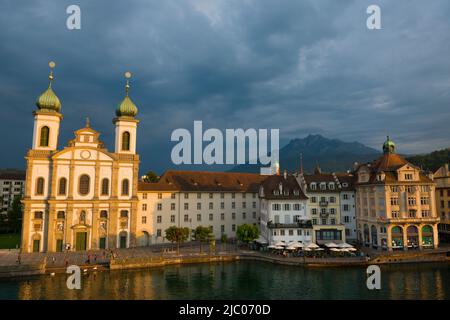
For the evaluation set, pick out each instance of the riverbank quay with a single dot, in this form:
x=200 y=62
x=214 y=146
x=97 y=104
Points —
x=159 y=256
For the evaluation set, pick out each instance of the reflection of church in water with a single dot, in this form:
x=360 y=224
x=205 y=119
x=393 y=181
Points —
x=80 y=197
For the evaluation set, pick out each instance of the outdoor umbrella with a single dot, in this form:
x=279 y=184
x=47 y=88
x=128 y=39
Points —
x=272 y=247
x=312 y=245
x=331 y=245
x=280 y=243
x=296 y=244
x=344 y=245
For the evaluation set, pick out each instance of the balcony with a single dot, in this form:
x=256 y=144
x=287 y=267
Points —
x=409 y=220
x=306 y=224
x=323 y=203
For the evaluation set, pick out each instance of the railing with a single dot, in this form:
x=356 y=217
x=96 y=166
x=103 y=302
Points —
x=307 y=224
x=323 y=203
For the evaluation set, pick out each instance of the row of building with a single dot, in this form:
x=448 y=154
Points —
x=85 y=197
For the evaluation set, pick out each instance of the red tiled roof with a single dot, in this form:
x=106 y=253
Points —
x=205 y=181
x=289 y=183
x=12 y=175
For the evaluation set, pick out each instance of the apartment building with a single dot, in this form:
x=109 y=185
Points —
x=324 y=204
x=219 y=200
x=11 y=186
x=395 y=201
x=442 y=179
x=284 y=216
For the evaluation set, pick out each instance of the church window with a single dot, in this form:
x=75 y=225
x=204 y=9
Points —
x=125 y=187
x=45 y=134
x=105 y=187
x=62 y=186
x=40 y=186
x=126 y=141
x=84 y=184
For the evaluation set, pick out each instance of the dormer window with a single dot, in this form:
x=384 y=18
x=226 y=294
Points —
x=276 y=192
x=331 y=186
x=323 y=186
x=313 y=186
x=345 y=184
x=296 y=192
x=408 y=176
x=286 y=192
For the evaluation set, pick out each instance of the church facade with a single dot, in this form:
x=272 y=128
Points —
x=82 y=197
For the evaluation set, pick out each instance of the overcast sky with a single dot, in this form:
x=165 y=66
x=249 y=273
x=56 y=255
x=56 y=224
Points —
x=303 y=66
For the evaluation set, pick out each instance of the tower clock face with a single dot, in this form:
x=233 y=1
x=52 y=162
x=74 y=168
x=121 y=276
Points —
x=85 y=154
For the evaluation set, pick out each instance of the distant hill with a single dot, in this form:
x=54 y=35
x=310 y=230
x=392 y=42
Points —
x=431 y=161
x=331 y=154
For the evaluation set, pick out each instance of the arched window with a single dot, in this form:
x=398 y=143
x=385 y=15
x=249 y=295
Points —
x=44 y=138
x=62 y=186
x=104 y=214
x=125 y=187
x=40 y=186
x=105 y=187
x=123 y=213
x=126 y=141
x=84 y=185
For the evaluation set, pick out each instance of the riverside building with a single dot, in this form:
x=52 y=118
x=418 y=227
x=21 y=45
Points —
x=219 y=200
x=395 y=201
x=442 y=179
x=324 y=205
x=284 y=216
x=83 y=196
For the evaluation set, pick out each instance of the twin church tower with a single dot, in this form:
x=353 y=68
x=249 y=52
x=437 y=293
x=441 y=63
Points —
x=82 y=196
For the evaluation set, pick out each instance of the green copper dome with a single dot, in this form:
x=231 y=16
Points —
x=388 y=146
x=126 y=108
x=48 y=101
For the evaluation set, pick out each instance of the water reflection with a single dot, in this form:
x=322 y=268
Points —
x=241 y=280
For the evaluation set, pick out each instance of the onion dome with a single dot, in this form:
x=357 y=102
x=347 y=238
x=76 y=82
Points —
x=127 y=108
x=388 y=146
x=48 y=100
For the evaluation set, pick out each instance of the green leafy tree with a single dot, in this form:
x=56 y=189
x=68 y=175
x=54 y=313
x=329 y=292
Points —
x=15 y=214
x=247 y=233
x=151 y=177
x=177 y=235
x=203 y=235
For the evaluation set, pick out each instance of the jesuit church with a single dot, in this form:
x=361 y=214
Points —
x=81 y=197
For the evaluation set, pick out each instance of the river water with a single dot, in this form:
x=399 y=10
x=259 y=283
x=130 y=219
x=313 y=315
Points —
x=240 y=280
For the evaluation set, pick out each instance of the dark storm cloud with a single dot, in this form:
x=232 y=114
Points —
x=301 y=66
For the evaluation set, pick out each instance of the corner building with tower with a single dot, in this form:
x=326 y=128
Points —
x=82 y=197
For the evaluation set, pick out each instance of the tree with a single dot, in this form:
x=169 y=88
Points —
x=150 y=177
x=202 y=234
x=247 y=233
x=15 y=214
x=177 y=235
